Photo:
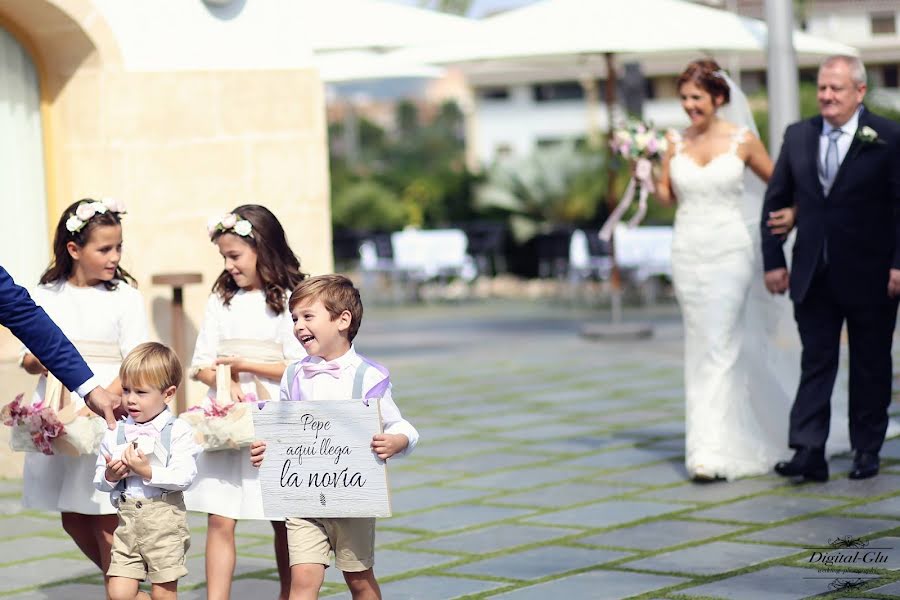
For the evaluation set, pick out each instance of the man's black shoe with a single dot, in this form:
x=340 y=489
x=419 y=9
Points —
x=865 y=465
x=808 y=464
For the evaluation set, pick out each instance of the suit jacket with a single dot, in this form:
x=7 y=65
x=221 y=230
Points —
x=44 y=339
x=858 y=221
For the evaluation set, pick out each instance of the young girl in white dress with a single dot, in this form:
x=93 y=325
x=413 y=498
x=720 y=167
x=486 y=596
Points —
x=248 y=326
x=91 y=298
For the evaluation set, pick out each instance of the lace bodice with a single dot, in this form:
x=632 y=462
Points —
x=717 y=186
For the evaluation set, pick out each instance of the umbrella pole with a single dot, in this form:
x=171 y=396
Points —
x=616 y=329
x=615 y=279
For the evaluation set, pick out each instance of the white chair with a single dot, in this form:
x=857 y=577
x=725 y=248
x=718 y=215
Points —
x=582 y=264
x=424 y=255
x=644 y=253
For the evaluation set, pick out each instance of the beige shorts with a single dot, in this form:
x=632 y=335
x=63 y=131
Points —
x=352 y=541
x=151 y=539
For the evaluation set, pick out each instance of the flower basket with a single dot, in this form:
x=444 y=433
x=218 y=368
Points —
x=222 y=426
x=44 y=428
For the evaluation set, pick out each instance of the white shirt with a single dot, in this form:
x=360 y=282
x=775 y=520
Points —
x=843 y=143
x=177 y=475
x=326 y=387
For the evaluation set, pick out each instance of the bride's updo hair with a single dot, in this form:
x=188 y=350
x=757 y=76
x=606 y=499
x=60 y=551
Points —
x=706 y=74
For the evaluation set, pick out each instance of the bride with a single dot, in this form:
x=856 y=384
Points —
x=738 y=393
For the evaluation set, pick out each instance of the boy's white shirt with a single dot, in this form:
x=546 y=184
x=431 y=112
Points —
x=326 y=387
x=176 y=476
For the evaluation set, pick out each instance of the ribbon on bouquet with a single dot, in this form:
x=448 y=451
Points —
x=643 y=181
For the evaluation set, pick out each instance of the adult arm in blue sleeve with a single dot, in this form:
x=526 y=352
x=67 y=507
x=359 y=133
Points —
x=48 y=343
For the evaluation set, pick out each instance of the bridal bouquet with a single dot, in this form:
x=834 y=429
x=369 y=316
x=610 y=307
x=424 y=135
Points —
x=34 y=426
x=636 y=140
x=640 y=142
x=222 y=427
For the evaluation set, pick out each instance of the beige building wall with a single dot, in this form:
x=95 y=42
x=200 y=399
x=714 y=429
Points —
x=176 y=147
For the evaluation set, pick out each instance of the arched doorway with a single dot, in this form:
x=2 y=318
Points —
x=24 y=244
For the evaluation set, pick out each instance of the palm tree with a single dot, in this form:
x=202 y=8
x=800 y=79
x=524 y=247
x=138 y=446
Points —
x=554 y=186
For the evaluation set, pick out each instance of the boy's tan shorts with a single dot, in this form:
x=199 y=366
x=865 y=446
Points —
x=313 y=540
x=151 y=539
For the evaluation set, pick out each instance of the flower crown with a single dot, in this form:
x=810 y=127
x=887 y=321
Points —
x=231 y=223
x=86 y=210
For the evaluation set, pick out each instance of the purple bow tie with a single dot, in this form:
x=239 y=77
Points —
x=311 y=369
x=135 y=430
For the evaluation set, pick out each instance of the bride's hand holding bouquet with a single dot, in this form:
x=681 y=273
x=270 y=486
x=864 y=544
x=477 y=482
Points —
x=643 y=146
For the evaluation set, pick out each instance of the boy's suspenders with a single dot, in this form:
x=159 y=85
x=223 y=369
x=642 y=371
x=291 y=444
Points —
x=358 y=381
x=165 y=440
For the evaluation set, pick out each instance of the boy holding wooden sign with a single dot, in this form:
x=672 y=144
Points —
x=327 y=312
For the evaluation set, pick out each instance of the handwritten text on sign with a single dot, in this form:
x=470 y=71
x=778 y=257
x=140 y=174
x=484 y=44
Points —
x=319 y=461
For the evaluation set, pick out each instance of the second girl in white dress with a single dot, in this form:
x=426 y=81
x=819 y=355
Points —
x=248 y=326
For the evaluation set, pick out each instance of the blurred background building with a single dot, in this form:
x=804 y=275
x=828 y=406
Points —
x=183 y=109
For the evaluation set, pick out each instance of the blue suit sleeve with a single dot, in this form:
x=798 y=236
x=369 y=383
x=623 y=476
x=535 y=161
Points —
x=30 y=323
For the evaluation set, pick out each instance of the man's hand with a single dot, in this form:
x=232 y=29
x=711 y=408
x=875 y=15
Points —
x=781 y=222
x=385 y=445
x=777 y=281
x=104 y=404
x=137 y=462
x=115 y=469
x=894 y=283
x=257 y=452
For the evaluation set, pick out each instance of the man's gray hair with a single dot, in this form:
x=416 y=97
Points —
x=856 y=66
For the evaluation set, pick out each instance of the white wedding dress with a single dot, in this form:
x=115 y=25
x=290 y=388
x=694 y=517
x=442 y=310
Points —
x=742 y=352
x=742 y=349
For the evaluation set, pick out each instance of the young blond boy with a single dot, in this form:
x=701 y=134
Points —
x=152 y=536
x=327 y=312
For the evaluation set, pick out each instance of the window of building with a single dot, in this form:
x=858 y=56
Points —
x=493 y=93
x=549 y=142
x=890 y=76
x=560 y=90
x=883 y=23
x=502 y=150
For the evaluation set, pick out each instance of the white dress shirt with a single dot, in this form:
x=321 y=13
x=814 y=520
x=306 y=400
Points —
x=177 y=475
x=326 y=387
x=843 y=143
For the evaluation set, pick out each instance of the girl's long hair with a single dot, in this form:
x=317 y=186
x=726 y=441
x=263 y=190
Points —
x=62 y=265
x=276 y=264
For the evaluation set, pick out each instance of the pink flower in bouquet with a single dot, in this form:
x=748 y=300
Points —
x=39 y=421
x=251 y=397
x=652 y=146
x=12 y=412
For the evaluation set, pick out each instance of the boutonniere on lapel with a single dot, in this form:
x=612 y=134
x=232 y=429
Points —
x=867 y=135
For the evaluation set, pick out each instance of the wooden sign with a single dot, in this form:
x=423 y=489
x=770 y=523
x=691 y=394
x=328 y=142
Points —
x=319 y=461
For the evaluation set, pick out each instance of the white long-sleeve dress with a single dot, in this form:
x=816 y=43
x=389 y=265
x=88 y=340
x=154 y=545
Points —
x=91 y=317
x=227 y=484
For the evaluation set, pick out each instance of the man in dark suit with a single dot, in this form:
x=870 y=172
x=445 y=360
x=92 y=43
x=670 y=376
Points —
x=46 y=341
x=841 y=170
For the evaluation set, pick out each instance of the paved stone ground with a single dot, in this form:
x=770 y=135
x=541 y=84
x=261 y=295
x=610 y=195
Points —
x=550 y=467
